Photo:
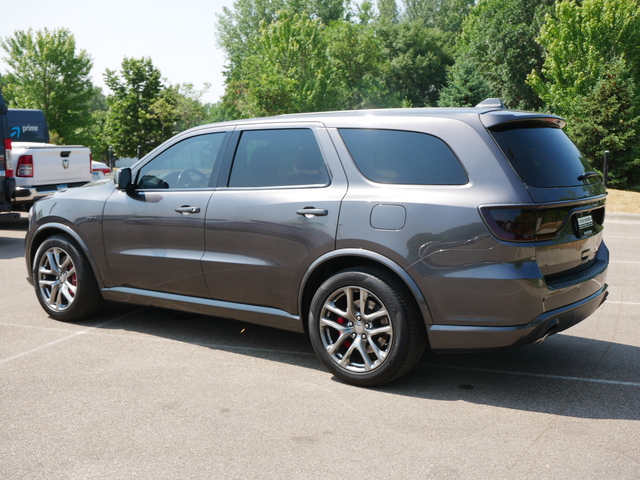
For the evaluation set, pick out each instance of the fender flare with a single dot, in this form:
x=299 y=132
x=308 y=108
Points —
x=378 y=258
x=52 y=229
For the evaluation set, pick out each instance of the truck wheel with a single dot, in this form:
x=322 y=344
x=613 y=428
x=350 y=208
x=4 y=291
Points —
x=365 y=328
x=64 y=282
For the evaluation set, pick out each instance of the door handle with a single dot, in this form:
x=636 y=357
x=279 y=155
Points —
x=186 y=210
x=309 y=212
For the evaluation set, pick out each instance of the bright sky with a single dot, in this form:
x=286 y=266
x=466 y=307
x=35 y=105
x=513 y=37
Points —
x=179 y=36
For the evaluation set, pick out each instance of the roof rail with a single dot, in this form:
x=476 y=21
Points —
x=491 y=103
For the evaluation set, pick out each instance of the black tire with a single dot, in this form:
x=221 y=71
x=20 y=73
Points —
x=63 y=280
x=371 y=345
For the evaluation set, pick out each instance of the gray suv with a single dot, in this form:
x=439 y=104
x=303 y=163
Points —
x=377 y=232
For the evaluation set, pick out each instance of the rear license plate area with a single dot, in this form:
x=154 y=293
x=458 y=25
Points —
x=584 y=225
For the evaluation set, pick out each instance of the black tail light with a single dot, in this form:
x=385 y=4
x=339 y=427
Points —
x=524 y=223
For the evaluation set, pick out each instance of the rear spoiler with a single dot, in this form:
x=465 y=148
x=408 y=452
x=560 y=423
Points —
x=512 y=118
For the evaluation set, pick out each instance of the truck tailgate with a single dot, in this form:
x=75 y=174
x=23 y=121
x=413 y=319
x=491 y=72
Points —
x=60 y=165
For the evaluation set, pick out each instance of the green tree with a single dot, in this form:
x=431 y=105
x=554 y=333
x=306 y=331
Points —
x=141 y=110
x=417 y=58
x=388 y=11
x=94 y=135
x=591 y=75
x=189 y=108
x=466 y=86
x=447 y=15
x=299 y=64
x=582 y=40
x=285 y=72
x=496 y=51
x=239 y=26
x=356 y=59
x=608 y=118
x=47 y=72
x=241 y=34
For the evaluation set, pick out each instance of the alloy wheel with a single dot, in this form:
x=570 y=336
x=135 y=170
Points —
x=356 y=329
x=57 y=279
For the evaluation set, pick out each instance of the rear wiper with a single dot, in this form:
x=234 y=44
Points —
x=586 y=175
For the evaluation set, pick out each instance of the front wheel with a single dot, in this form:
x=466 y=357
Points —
x=64 y=282
x=364 y=327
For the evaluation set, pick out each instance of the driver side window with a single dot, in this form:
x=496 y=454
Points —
x=185 y=165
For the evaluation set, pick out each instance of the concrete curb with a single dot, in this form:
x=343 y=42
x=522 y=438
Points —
x=623 y=216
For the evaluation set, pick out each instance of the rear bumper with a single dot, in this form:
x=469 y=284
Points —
x=31 y=194
x=450 y=338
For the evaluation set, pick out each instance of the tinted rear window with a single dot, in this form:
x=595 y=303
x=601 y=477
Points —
x=543 y=156
x=405 y=158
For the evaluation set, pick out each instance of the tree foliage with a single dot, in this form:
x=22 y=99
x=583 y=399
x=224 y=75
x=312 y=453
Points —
x=239 y=27
x=47 y=72
x=581 y=41
x=591 y=75
x=286 y=57
x=299 y=64
x=141 y=110
x=608 y=118
x=496 y=51
x=284 y=72
x=417 y=59
x=446 y=15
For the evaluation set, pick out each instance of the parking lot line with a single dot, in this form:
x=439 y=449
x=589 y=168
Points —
x=65 y=338
x=539 y=375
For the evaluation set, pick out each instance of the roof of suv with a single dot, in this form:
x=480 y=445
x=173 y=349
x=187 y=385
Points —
x=490 y=116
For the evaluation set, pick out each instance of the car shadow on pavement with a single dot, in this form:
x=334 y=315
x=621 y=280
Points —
x=12 y=233
x=566 y=375
x=14 y=221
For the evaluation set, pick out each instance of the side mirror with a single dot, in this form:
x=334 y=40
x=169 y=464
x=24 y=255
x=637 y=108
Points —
x=123 y=179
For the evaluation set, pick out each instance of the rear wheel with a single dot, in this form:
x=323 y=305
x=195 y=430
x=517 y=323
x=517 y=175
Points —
x=364 y=327
x=64 y=282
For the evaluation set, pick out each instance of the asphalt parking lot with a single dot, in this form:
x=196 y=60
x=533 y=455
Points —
x=149 y=393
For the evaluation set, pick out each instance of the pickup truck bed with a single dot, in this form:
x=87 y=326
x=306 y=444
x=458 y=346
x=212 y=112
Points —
x=43 y=169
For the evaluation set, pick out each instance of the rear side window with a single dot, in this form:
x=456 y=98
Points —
x=543 y=156
x=278 y=158
x=405 y=158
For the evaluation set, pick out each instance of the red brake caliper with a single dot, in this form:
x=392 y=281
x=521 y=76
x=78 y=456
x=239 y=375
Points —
x=74 y=281
x=342 y=321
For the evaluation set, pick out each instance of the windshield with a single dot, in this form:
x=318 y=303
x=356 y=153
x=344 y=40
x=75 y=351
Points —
x=543 y=156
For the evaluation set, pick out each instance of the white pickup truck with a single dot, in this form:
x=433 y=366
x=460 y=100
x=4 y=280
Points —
x=39 y=167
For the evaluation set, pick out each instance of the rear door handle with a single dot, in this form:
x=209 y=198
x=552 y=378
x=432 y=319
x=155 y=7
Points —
x=186 y=210
x=313 y=212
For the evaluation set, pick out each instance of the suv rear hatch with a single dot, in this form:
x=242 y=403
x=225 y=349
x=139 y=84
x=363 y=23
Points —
x=566 y=215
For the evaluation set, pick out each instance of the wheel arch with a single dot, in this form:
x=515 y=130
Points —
x=49 y=230
x=337 y=260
